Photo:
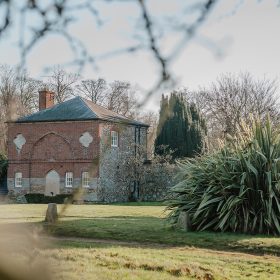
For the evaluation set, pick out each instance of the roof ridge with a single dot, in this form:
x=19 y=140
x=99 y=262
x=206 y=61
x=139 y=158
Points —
x=102 y=106
x=113 y=117
x=87 y=105
x=107 y=109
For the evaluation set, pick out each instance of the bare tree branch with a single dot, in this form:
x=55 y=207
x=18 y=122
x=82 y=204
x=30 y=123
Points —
x=93 y=90
x=232 y=100
x=7 y=18
x=54 y=17
x=62 y=83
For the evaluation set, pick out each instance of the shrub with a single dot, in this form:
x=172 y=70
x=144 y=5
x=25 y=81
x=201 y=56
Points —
x=3 y=166
x=38 y=198
x=234 y=189
x=154 y=177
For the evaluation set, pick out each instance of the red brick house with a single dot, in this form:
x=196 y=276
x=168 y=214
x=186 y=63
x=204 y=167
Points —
x=69 y=145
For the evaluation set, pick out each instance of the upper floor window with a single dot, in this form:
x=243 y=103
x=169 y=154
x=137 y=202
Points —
x=18 y=180
x=69 y=179
x=114 y=139
x=85 y=179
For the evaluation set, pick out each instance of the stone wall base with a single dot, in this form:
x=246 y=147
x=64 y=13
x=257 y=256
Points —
x=154 y=189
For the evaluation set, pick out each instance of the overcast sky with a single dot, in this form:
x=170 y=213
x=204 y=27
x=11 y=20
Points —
x=238 y=36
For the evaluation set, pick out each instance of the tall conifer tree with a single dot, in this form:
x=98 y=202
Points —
x=180 y=129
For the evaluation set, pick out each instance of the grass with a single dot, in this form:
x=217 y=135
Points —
x=150 y=249
x=128 y=262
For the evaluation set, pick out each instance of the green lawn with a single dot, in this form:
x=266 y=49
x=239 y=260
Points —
x=149 y=247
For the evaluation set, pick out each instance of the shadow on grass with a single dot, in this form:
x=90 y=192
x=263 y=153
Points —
x=152 y=230
x=154 y=203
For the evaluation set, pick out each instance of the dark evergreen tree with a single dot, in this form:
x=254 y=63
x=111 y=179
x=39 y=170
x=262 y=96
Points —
x=197 y=130
x=181 y=128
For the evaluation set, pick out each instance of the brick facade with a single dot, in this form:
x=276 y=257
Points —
x=46 y=99
x=36 y=148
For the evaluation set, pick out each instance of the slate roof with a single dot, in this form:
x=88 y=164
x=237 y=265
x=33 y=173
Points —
x=77 y=109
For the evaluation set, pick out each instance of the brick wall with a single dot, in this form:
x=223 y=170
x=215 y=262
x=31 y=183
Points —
x=56 y=146
x=46 y=99
x=51 y=146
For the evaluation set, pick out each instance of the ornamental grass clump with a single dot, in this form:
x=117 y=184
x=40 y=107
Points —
x=236 y=188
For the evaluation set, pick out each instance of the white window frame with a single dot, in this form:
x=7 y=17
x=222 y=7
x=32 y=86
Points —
x=114 y=138
x=18 y=179
x=69 y=179
x=85 y=179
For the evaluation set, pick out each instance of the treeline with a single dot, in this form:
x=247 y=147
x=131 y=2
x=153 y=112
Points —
x=233 y=100
x=189 y=122
x=19 y=96
x=17 y=87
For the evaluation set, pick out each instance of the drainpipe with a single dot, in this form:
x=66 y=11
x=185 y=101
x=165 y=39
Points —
x=139 y=142
x=29 y=175
x=135 y=137
x=139 y=130
x=135 y=151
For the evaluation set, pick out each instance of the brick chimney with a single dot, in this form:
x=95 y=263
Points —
x=46 y=99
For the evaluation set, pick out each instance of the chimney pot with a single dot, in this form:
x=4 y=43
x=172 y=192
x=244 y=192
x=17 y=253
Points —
x=46 y=99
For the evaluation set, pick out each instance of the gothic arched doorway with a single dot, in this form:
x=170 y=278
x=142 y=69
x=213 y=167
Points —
x=52 y=183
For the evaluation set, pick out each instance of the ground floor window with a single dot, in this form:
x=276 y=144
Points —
x=18 y=180
x=85 y=179
x=69 y=179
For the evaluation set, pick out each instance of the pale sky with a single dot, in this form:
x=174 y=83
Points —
x=246 y=36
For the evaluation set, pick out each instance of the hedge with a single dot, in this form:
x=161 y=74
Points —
x=38 y=198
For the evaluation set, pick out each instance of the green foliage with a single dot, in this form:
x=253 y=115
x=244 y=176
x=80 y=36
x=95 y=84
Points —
x=3 y=166
x=181 y=128
x=236 y=188
x=41 y=198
